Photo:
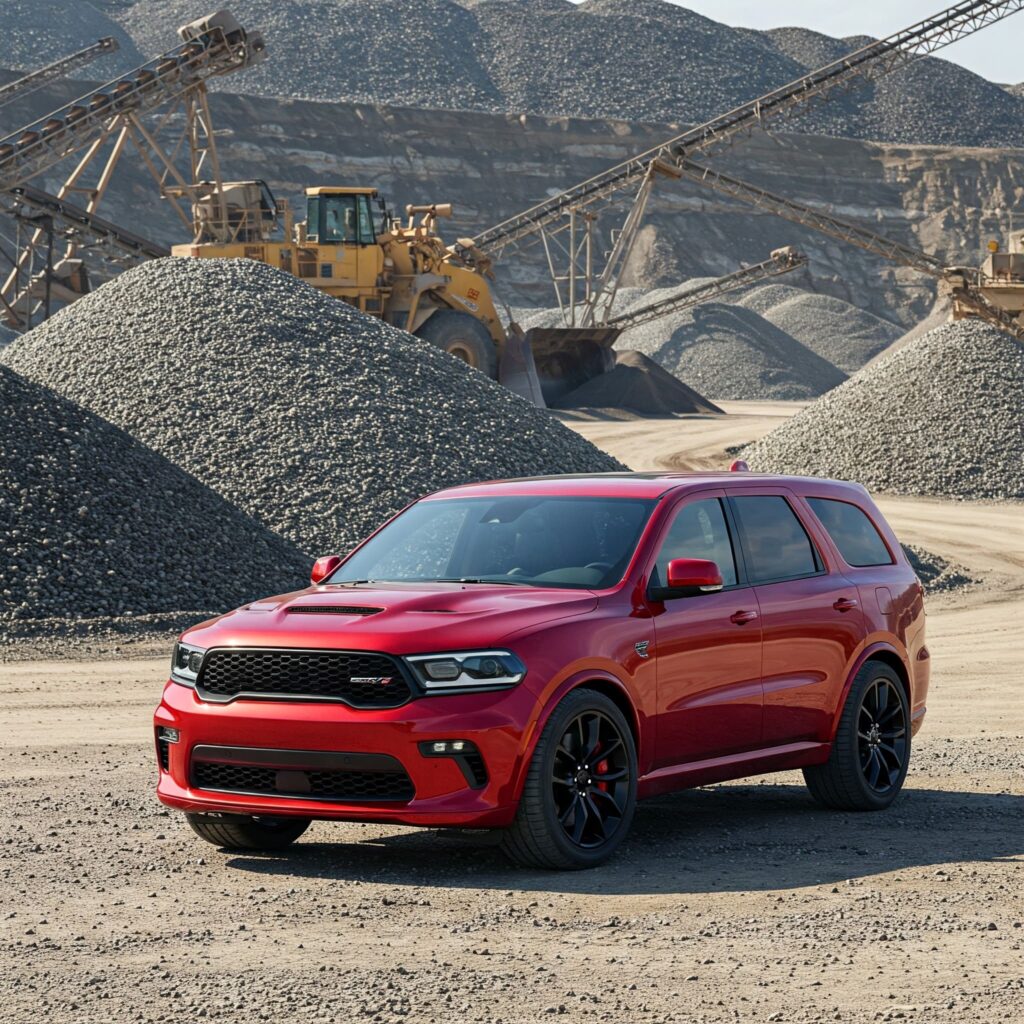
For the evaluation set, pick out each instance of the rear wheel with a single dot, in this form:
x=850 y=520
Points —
x=464 y=337
x=244 y=833
x=580 y=791
x=871 y=751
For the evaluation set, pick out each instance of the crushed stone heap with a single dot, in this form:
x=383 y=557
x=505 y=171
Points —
x=315 y=419
x=640 y=385
x=93 y=523
x=728 y=352
x=942 y=416
x=640 y=60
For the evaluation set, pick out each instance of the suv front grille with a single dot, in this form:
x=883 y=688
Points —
x=303 y=775
x=357 y=678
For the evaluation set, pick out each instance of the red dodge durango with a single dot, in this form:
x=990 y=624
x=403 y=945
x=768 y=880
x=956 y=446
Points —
x=537 y=655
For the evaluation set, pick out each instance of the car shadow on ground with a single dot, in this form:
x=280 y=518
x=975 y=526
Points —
x=723 y=839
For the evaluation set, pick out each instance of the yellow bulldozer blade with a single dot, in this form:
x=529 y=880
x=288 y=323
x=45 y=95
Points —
x=567 y=357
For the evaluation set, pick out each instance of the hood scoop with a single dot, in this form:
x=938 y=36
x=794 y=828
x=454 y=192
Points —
x=330 y=609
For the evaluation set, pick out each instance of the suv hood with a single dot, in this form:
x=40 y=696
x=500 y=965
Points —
x=393 y=618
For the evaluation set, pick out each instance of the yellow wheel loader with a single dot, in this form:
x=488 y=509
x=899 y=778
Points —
x=350 y=247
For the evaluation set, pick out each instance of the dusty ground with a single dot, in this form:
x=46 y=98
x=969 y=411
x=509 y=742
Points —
x=733 y=903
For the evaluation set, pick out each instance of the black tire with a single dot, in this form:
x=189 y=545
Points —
x=871 y=751
x=464 y=337
x=554 y=799
x=242 y=833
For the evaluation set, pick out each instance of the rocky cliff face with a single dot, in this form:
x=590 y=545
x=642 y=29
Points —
x=490 y=166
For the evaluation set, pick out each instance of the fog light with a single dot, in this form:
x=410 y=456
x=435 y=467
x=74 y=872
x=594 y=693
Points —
x=168 y=735
x=446 y=748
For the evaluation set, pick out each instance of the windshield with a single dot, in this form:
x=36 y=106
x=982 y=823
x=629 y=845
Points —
x=583 y=543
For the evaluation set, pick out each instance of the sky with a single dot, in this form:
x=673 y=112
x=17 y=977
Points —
x=994 y=52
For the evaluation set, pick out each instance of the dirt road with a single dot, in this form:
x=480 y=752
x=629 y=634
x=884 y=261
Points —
x=732 y=903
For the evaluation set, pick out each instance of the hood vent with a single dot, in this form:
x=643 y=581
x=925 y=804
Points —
x=330 y=609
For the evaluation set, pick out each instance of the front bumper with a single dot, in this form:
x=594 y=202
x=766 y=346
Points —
x=499 y=724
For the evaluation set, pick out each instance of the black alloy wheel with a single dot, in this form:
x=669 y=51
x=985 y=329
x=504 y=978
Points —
x=590 y=780
x=579 y=795
x=870 y=752
x=882 y=736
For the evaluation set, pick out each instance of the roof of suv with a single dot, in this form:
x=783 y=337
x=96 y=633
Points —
x=625 y=485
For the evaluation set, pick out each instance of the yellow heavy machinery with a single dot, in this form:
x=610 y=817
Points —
x=350 y=247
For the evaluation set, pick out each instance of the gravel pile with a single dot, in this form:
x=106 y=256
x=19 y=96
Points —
x=640 y=385
x=634 y=59
x=29 y=29
x=942 y=416
x=313 y=418
x=421 y=54
x=846 y=336
x=937 y=574
x=728 y=352
x=93 y=523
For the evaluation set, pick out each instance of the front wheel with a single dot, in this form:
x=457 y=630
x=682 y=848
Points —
x=871 y=751
x=244 y=833
x=464 y=337
x=580 y=792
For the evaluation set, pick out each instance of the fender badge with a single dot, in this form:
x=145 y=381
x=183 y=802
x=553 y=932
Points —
x=641 y=648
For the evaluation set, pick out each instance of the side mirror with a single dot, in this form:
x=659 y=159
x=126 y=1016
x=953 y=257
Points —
x=687 y=577
x=323 y=568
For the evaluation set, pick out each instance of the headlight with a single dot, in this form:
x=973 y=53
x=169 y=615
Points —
x=472 y=670
x=185 y=663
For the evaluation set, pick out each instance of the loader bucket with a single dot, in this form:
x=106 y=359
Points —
x=516 y=371
x=567 y=357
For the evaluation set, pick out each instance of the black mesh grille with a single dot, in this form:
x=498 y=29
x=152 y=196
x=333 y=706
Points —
x=358 y=678
x=348 y=786
x=163 y=753
x=331 y=609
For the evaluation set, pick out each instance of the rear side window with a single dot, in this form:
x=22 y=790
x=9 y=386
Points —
x=857 y=538
x=774 y=540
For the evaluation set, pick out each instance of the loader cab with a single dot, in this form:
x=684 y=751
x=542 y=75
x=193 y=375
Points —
x=340 y=216
x=337 y=249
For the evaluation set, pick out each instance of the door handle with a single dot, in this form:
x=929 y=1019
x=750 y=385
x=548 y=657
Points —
x=845 y=604
x=742 y=618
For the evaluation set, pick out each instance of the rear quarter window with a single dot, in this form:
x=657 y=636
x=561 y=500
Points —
x=775 y=543
x=852 y=531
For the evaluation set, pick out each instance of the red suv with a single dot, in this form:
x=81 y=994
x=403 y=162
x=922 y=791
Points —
x=537 y=655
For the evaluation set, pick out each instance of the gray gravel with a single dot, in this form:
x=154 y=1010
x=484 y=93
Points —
x=939 y=575
x=93 y=523
x=313 y=418
x=638 y=384
x=728 y=352
x=36 y=32
x=732 y=352
x=942 y=416
x=634 y=59
x=846 y=336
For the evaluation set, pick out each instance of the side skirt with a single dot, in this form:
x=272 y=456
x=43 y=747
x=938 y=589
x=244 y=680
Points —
x=733 y=766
